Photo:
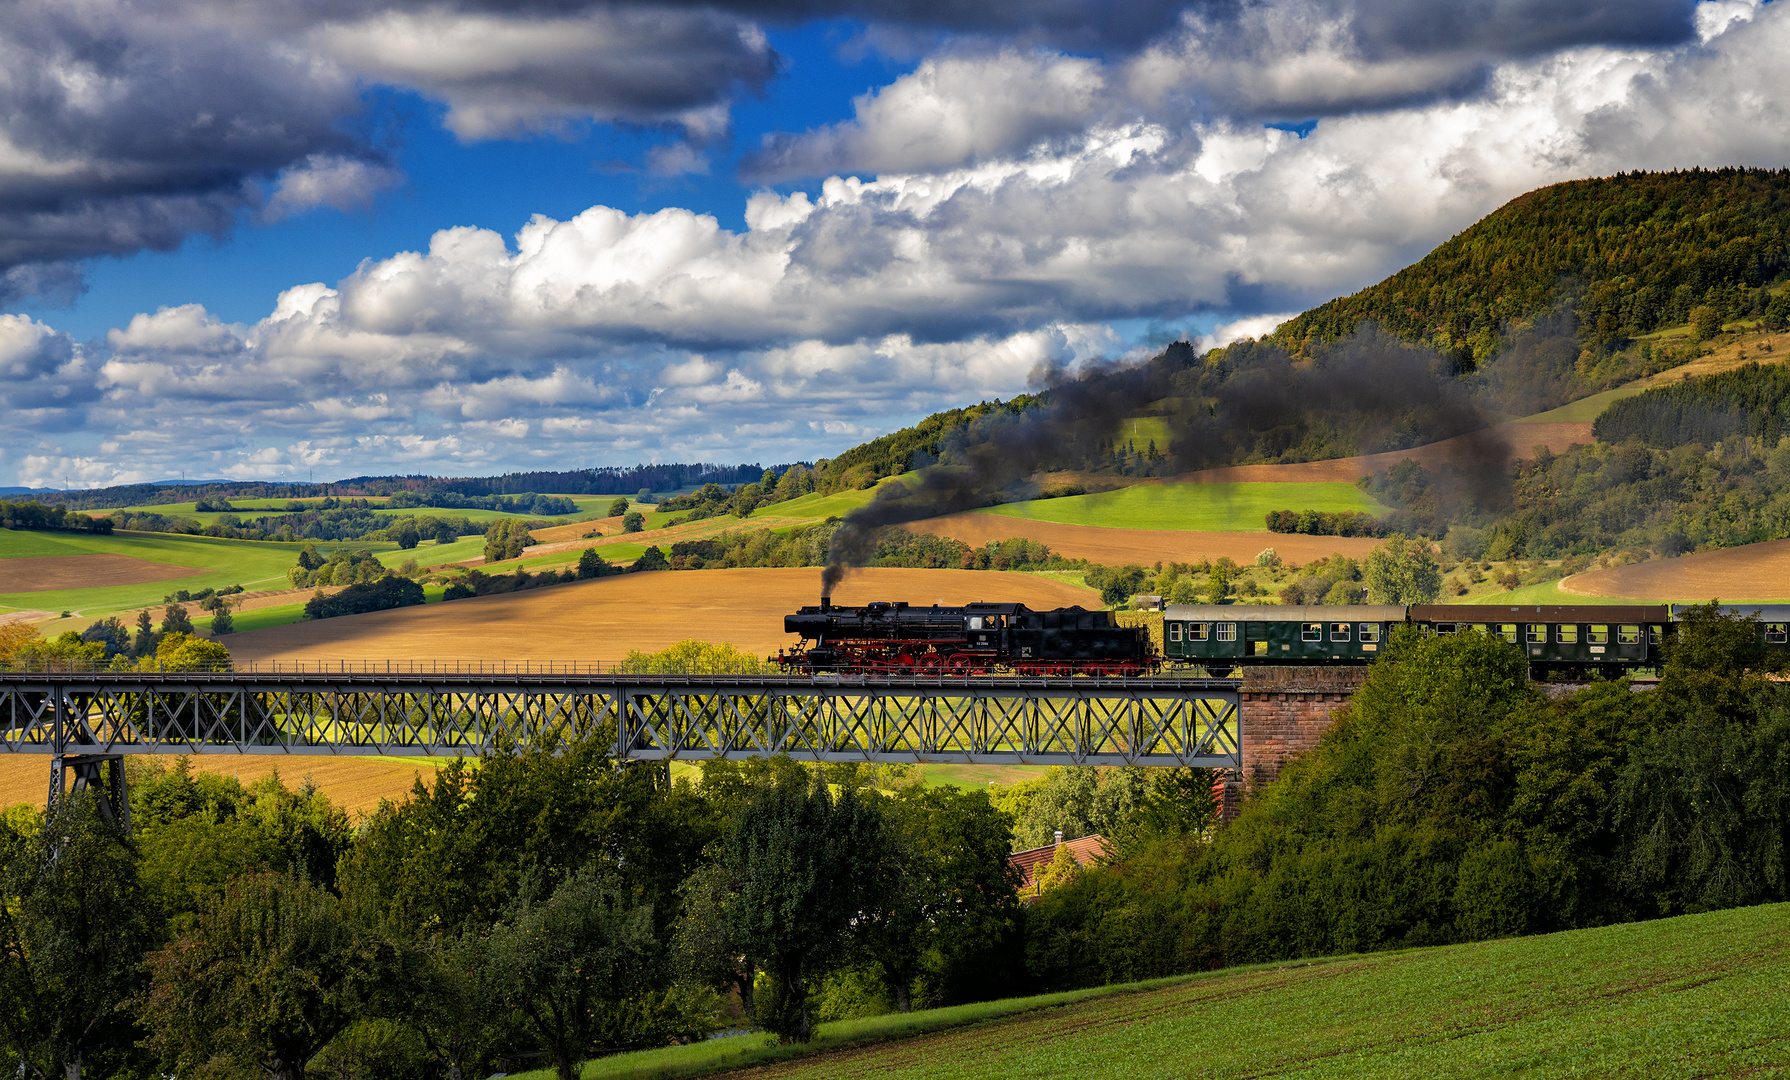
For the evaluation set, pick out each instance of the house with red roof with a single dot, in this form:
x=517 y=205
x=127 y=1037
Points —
x=1030 y=863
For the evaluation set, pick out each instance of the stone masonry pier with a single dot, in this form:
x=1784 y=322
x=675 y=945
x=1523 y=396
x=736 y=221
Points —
x=1283 y=712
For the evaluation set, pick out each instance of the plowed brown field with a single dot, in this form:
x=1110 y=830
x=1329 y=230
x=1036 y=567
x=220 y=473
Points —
x=1751 y=572
x=1142 y=546
x=44 y=573
x=355 y=784
x=605 y=618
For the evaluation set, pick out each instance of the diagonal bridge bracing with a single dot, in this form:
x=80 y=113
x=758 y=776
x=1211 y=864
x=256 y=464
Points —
x=983 y=720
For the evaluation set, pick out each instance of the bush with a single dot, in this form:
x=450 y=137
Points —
x=381 y=595
x=506 y=540
x=1322 y=523
x=179 y=651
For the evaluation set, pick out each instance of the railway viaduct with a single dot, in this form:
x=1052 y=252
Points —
x=85 y=722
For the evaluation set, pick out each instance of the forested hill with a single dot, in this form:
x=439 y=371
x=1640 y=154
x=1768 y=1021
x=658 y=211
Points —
x=1633 y=253
x=1537 y=304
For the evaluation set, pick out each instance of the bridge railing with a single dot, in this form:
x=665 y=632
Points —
x=122 y=665
x=15 y=669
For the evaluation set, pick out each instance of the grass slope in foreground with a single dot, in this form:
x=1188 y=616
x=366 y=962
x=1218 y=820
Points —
x=1215 y=507
x=1701 y=995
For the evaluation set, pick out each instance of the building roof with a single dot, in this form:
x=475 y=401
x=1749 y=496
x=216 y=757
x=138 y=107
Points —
x=1083 y=849
x=1286 y=612
x=1549 y=613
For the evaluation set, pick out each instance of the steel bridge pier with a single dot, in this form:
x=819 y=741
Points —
x=86 y=721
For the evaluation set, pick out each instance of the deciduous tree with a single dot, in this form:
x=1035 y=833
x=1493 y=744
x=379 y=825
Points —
x=75 y=921
x=803 y=863
x=1402 y=571
x=267 y=978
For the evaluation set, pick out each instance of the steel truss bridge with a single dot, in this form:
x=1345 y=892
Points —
x=86 y=721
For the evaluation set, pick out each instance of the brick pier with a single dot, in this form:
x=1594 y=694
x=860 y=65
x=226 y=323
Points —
x=1283 y=712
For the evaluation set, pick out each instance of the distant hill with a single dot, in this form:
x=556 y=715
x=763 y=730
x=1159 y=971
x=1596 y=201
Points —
x=1627 y=254
x=606 y=480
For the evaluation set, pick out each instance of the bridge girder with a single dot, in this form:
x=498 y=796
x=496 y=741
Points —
x=982 y=720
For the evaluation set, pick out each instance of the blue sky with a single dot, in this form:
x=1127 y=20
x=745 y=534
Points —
x=496 y=184
x=364 y=236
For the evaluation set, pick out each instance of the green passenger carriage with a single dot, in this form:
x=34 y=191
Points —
x=1557 y=637
x=1772 y=620
x=1221 y=637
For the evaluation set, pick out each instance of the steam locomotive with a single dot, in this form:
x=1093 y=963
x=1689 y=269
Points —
x=894 y=638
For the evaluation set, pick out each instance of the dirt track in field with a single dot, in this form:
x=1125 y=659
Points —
x=46 y=573
x=1145 y=547
x=1752 y=572
x=355 y=784
x=606 y=618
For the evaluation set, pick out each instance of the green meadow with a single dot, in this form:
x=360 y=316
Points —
x=820 y=507
x=1583 y=410
x=1218 y=507
x=1140 y=431
x=1700 y=995
x=251 y=564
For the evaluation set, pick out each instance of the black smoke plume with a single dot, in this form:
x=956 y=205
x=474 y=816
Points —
x=1366 y=394
x=997 y=454
x=1371 y=392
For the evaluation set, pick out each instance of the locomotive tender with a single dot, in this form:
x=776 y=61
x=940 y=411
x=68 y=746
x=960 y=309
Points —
x=895 y=638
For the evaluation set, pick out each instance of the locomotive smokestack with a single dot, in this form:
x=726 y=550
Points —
x=826 y=602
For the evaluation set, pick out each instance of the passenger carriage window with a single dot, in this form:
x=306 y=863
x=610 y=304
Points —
x=1508 y=631
x=1599 y=634
x=1777 y=633
x=1567 y=635
x=1370 y=632
x=1628 y=635
x=1174 y=631
x=1538 y=633
x=1443 y=629
x=1196 y=631
x=1481 y=627
x=1339 y=631
x=1655 y=632
x=1227 y=631
x=1311 y=631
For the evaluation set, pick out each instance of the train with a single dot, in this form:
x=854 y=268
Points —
x=899 y=639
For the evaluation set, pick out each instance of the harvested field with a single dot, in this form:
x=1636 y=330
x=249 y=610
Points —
x=355 y=784
x=1514 y=438
x=47 y=573
x=605 y=618
x=1142 y=546
x=1751 y=572
x=576 y=530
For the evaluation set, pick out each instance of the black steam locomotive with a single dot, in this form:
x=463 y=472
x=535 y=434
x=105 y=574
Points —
x=893 y=638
